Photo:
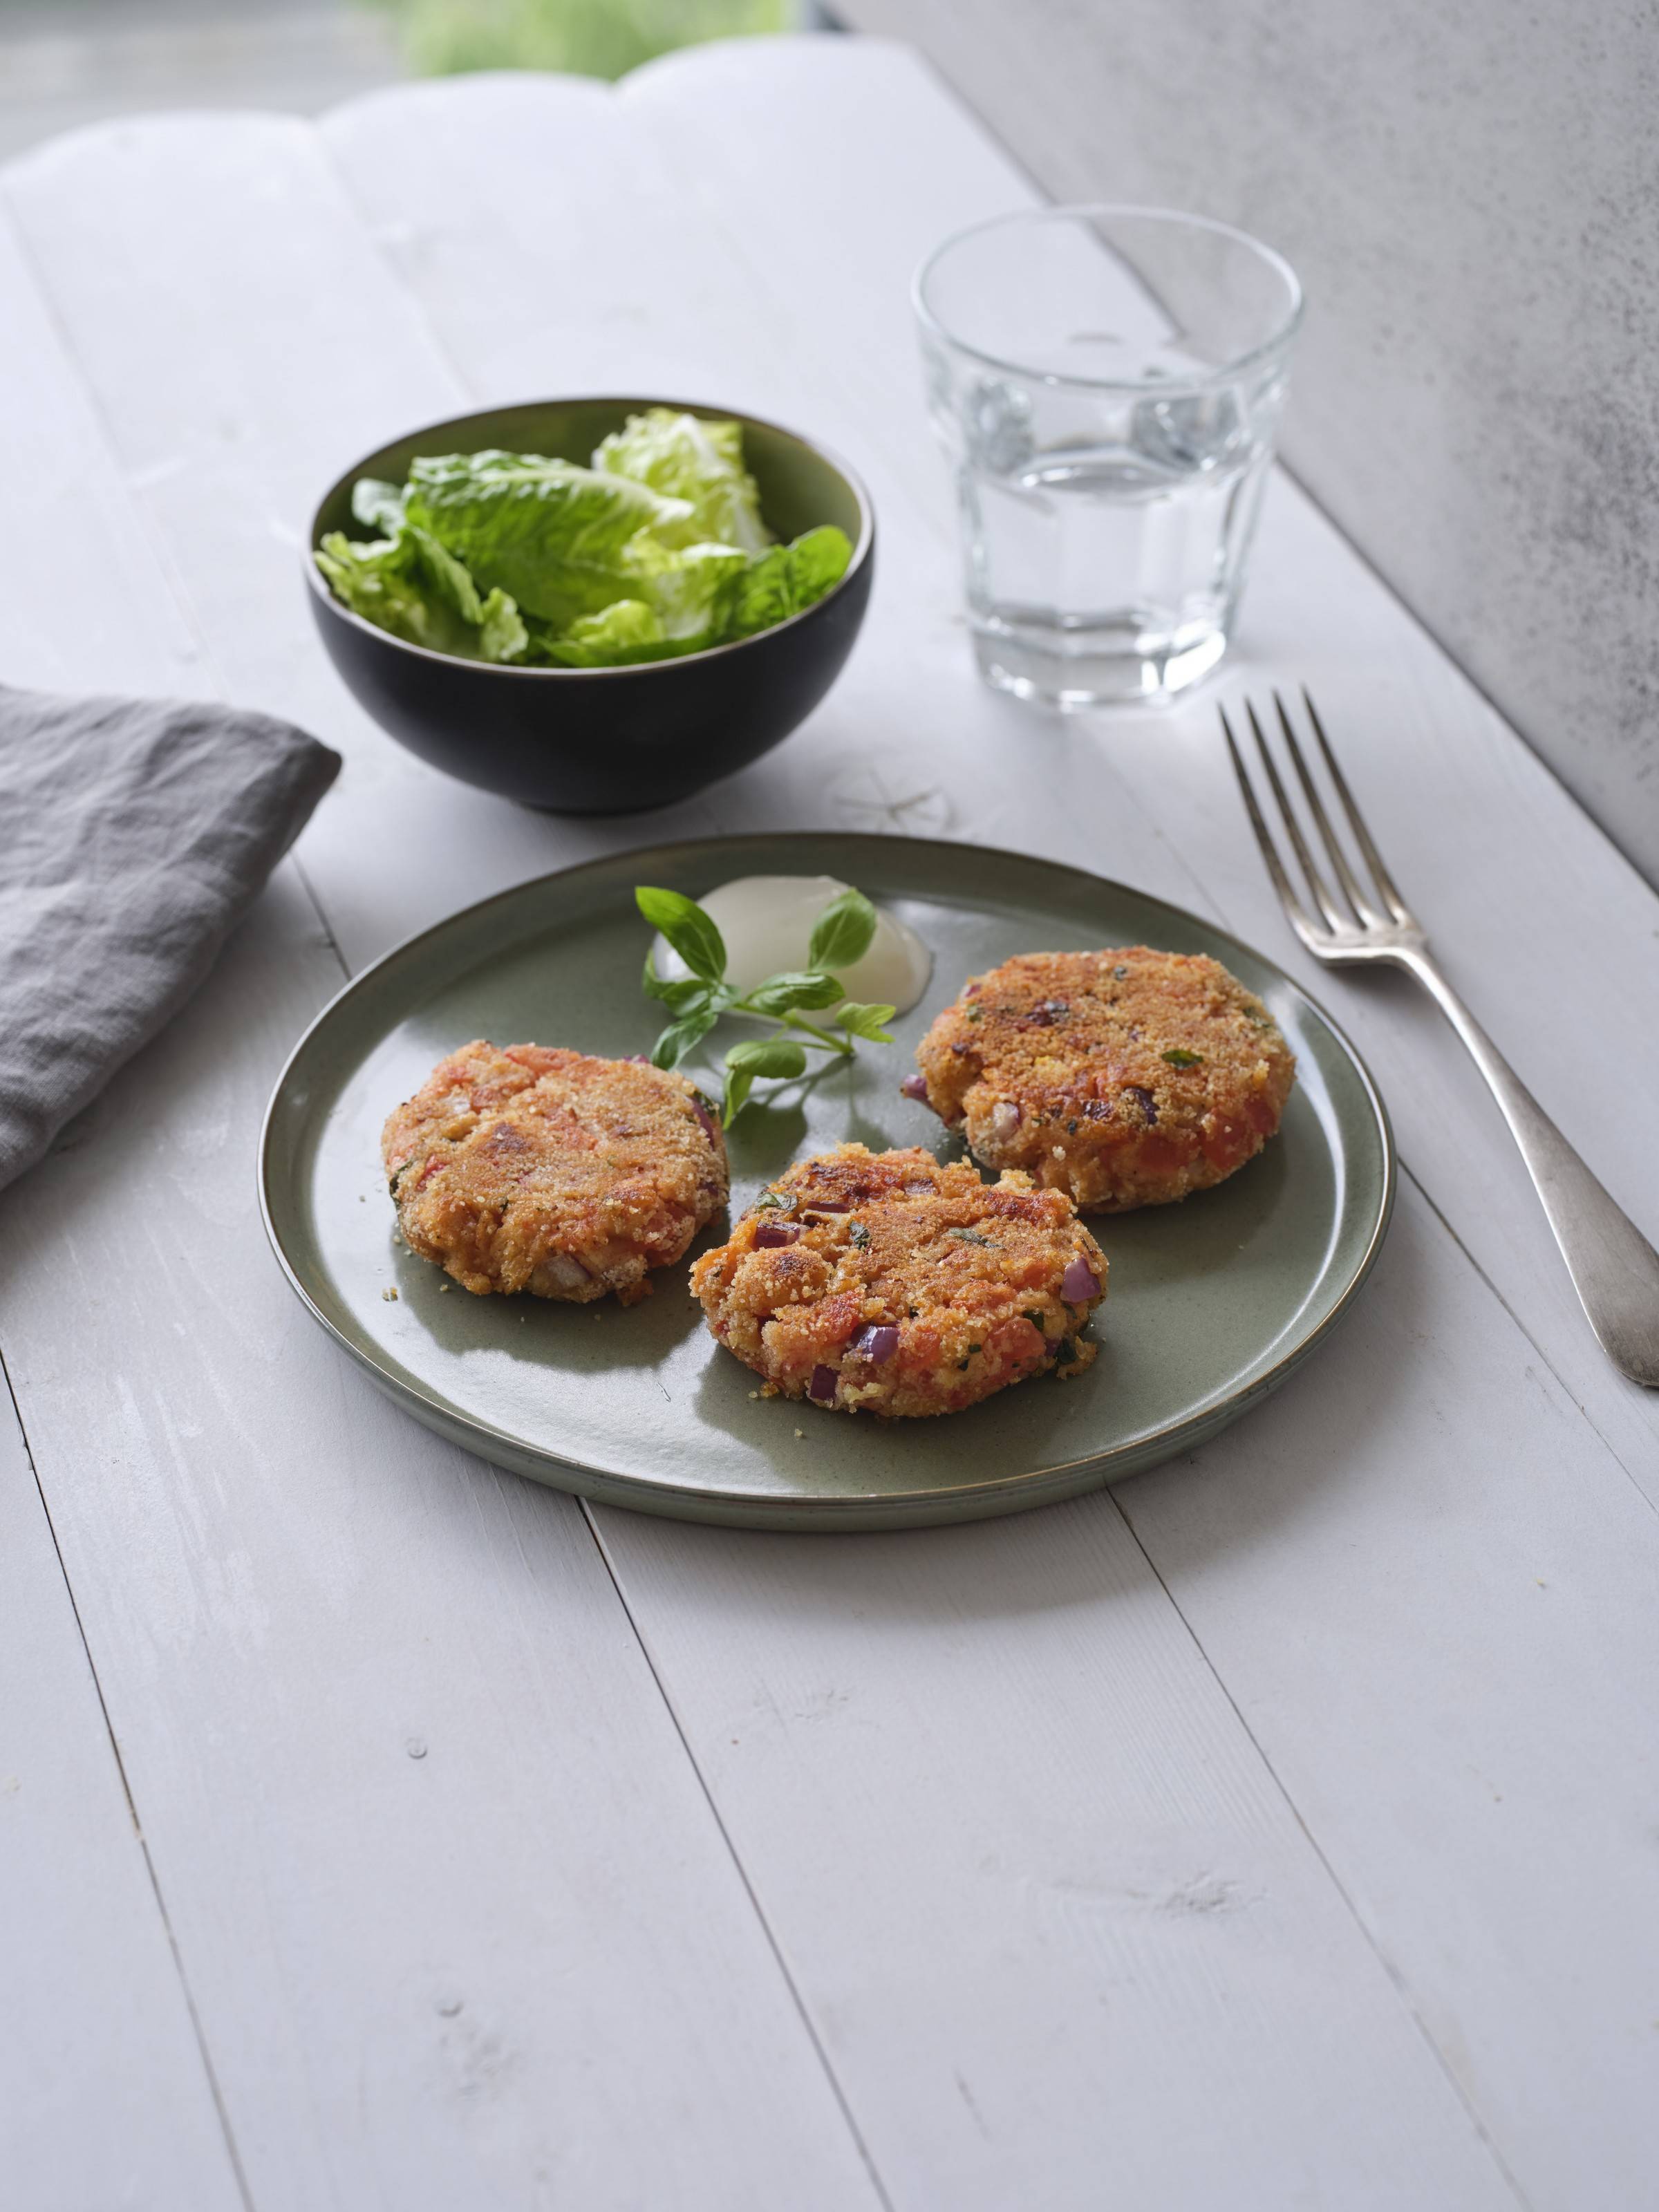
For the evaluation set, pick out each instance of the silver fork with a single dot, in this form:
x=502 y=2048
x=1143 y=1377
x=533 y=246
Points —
x=1614 y=1269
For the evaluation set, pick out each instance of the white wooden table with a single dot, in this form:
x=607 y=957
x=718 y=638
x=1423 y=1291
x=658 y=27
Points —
x=378 y=1830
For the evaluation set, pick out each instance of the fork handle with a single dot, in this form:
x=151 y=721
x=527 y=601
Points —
x=1614 y=1269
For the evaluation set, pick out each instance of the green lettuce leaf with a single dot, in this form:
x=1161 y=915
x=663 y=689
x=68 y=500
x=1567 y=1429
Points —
x=379 y=506
x=626 y=631
x=782 y=582
x=501 y=633
x=657 y=551
x=684 y=457
x=692 y=590
x=550 y=534
x=409 y=584
x=680 y=604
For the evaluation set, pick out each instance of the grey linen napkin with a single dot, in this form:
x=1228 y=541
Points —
x=134 y=834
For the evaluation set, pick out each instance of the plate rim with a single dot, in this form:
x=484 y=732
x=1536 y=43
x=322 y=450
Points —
x=849 y=1510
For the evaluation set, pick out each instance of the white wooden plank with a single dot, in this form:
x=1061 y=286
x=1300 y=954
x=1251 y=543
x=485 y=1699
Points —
x=1450 y=1662
x=89 y=609
x=460 y=1925
x=1551 y=931
x=1326 y=587
x=634 y=286
x=95 y=2018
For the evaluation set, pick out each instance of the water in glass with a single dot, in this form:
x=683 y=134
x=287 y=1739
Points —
x=1108 y=493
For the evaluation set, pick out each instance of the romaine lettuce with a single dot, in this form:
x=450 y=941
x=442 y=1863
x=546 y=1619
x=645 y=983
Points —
x=378 y=504
x=788 y=578
x=550 y=533
x=658 y=549
x=683 y=457
x=409 y=584
x=627 y=631
x=692 y=591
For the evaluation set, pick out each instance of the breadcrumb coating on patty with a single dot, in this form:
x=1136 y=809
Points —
x=885 y=1283
x=536 y=1168
x=1124 y=1078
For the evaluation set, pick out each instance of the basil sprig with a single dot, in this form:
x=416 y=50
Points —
x=696 y=1002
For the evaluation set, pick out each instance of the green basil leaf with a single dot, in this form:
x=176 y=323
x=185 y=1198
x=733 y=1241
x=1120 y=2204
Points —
x=869 y=1022
x=687 y=928
x=739 y=1084
x=770 y=1056
x=1178 y=1056
x=686 y=994
x=843 y=932
x=801 y=988
x=677 y=1039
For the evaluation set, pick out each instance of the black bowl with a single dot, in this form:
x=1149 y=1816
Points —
x=605 y=740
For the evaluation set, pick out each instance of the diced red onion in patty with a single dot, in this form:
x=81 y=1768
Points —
x=823 y=1385
x=914 y=1086
x=826 y=1206
x=637 y=1059
x=1144 y=1100
x=771 y=1234
x=876 y=1342
x=1080 y=1283
x=560 y=1271
x=1004 y=1120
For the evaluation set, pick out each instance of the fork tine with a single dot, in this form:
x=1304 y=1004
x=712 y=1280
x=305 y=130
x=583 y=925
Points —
x=1360 y=906
x=1385 y=882
x=1288 y=897
x=1322 y=900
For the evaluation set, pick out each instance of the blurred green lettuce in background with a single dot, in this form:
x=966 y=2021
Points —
x=591 y=38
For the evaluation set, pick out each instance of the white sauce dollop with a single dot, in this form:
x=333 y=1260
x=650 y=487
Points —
x=767 y=923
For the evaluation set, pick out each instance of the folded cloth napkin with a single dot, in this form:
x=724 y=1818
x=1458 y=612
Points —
x=134 y=834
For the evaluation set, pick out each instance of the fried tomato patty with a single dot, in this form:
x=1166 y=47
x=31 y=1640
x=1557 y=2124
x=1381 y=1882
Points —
x=537 y=1170
x=882 y=1282
x=1125 y=1078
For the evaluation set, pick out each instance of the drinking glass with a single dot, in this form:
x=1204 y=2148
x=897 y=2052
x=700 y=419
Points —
x=1106 y=381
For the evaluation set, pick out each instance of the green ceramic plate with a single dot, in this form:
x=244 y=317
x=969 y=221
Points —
x=1212 y=1303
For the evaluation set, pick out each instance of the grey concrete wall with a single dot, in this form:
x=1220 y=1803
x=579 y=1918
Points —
x=1470 y=190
